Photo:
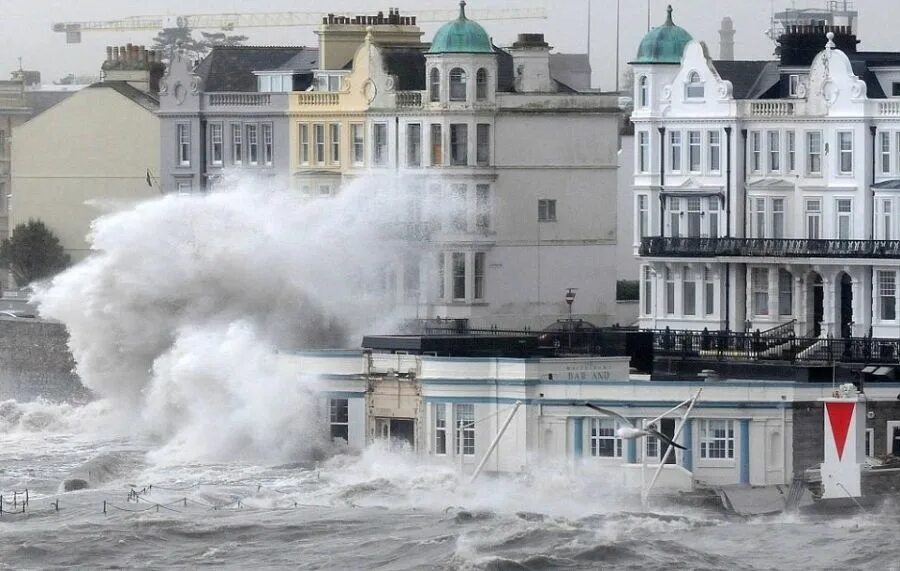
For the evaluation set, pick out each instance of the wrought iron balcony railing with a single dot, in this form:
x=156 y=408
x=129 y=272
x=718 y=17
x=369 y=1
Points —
x=768 y=247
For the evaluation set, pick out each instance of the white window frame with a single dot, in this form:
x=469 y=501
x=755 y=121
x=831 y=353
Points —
x=793 y=85
x=464 y=435
x=380 y=150
x=216 y=144
x=714 y=150
x=755 y=151
x=334 y=140
x=183 y=133
x=334 y=404
x=695 y=151
x=458 y=270
x=759 y=291
x=845 y=150
x=791 y=144
x=358 y=142
x=717 y=448
x=840 y=216
x=648 y=276
x=773 y=148
x=688 y=292
x=887 y=290
x=709 y=292
x=813 y=151
x=885 y=151
x=252 y=144
x=675 y=151
x=319 y=143
x=810 y=215
x=303 y=135
x=643 y=216
x=694 y=87
x=870 y=442
x=785 y=293
x=603 y=430
x=413 y=145
x=483 y=144
x=478 y=275
x=439 y=412
x=670 y=299
x=885 y=226
x=643 y=154
x=546 y=210
x=268 y=144
x=643 y=92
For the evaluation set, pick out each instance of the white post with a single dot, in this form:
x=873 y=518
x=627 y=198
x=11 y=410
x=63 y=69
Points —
x=663 y=457
x=496 y=441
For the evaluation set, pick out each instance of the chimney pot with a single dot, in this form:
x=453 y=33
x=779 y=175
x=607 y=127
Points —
x=109 y=53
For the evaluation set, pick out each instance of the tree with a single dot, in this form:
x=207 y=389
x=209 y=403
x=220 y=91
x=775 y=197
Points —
x=33 y=252
x=169 y=40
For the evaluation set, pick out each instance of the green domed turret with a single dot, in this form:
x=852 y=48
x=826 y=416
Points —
x=664 y=44
x=461 y=36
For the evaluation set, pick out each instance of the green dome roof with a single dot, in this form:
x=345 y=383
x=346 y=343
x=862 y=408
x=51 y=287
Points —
x=664 y=44
x=461 y=36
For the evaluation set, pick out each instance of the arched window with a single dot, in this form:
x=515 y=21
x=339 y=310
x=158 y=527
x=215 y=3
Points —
x=457 y=84
x=694 y=87
x=481 y=84
x=643 y=95
x=435 y=88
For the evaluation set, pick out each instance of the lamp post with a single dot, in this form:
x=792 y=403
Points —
x=570 y=299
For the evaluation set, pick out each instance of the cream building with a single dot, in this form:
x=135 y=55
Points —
x=89 y=152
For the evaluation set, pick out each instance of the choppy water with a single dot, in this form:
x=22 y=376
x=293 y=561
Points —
x=383 y=509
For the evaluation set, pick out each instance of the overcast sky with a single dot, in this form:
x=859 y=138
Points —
x=25 y=26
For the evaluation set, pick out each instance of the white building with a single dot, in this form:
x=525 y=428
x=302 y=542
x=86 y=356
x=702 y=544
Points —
x=767 y=192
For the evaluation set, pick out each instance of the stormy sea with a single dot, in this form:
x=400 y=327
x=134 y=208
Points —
x=189 y=446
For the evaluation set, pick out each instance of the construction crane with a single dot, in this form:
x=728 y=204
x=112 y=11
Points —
x=73 y=30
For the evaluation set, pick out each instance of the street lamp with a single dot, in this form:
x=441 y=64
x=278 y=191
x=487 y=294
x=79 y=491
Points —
x=570 y=299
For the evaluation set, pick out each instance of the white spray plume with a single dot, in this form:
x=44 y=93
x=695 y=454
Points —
x=177 y=313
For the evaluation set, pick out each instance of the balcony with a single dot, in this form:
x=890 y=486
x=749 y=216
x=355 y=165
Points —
x=409 y=99
x=656 y=246
x=774 y=108
x=240 y=99
x=318 y=98
x=889 y=108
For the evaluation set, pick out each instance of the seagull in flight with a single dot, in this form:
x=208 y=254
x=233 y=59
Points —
x=629 y=431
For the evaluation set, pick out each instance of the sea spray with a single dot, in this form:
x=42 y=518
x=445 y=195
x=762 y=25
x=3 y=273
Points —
x=184 y=299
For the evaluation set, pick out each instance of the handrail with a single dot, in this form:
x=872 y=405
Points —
x=783 y=329
x=769 y=247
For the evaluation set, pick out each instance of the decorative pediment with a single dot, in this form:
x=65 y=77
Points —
x=832 y=81
x=698 y=73
x=771 y=183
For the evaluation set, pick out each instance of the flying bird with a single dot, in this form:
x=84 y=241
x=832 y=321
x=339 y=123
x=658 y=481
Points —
x=629 y=431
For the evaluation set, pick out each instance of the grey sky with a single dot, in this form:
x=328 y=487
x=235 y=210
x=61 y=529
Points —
x=25 y=26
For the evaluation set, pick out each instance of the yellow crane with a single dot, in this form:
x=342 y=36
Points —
x=73 y=30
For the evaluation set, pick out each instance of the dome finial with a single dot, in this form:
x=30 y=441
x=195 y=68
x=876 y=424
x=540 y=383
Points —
x=669 y=21
x=462 y=9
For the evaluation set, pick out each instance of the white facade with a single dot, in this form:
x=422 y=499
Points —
x=760 y=212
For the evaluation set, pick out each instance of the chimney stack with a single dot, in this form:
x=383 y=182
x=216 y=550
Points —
x=531 y=64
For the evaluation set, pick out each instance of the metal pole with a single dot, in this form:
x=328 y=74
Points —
x=662 y=458
x=617 y=45
x=496 y=441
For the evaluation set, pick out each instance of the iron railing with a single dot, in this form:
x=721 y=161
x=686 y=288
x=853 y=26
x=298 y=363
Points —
x=769 y=247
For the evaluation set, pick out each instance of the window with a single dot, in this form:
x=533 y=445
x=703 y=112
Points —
x=414 y=145
x=435 y=85
x=457 y=84
x=643 y=215
x=479 y=275
x=319 y=142
x=778 y=218
x=459 y=144
x=675 y=146
x=813 y=219
x=713 y=140
x=334 y=135
x=670 y=292
x=304 y=144
x=357 y=134
x=440 y=429
x=694 y=87
x=688 y=292
x=844 y=221
x=759 y=284
x=339 y=418
x=252 y=144
x=717 y=439
x=268 y=144
x=648 y=290
x=437 y=148
x=643 y=151
x=457 y=207
x=184 y=144
x=324 y=190
x=794 y=85
x=459 y=275
x=546 y=210
x=886 y=218
x=481 y=84
x=440 y=278
x=674 y=217
x=885 y=152
x=713 y=208
x=895 y=89
x=845 y=148
x=694 y=150
x=465 y=429
x=814 y=152
x=870 y=441
x=216 y=143
x=184 y=186
x=381 y=144
x=483 y=207
x=755 y=152
x=709 y=292
x=643 y=91
x=693 y=217
x=791 y=151
x=483 y=144
x=887 y=295
x=306 y=190
x=774 y=141
x=785 y=293
x=604 y=443
x=759 y=218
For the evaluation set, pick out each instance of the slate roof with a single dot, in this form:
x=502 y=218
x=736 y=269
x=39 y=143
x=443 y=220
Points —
x=145 y=100
x=230 y=68
x=571 y=70
x=893 y=184
x=407 y=65
x=750 y=78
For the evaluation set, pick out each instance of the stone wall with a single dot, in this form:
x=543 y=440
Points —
x=35 y=361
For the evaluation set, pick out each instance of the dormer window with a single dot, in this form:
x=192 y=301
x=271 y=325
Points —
x=793 y=85
x=275 y=83
x=643 y=91
x=457 y=84
x=328 y=82
x=481 y=84
x=435 y=85
x=693 y=89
